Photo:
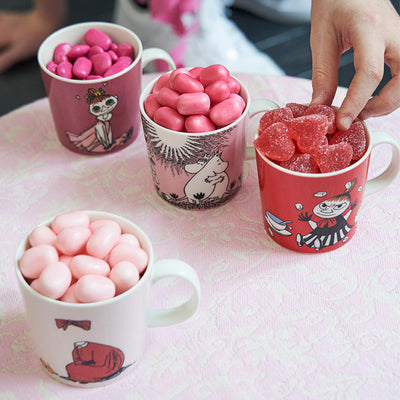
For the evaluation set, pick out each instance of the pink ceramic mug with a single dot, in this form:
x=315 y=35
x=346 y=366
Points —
x=102 y=115
x=314 y=213
x=198 y=171
x=94 y=344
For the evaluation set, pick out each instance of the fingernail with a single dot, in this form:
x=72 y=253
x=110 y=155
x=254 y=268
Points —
x=346 y=122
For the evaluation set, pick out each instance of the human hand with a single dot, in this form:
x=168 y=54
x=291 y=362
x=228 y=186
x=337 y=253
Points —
x=372 y=29
x=21 y=33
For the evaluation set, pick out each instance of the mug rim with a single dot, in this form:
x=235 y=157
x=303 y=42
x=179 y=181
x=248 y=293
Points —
x=143 y=239
x=147 y=91
x=42 y=63
x=323 y=174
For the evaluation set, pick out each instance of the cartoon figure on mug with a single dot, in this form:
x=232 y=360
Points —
x=332 y=225
x=99 y=137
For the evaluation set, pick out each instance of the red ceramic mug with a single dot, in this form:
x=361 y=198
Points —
x=314 y=213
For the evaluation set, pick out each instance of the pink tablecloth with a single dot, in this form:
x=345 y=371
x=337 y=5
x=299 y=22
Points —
x=272 y=323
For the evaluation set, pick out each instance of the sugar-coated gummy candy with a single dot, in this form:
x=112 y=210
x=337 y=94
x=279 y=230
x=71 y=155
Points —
x=334 y=157
x=276 y=142
x=304 y=163
x=35 y=259
x=53 y=281
x=329 y=113
x=283 y=114
x=297 y=109
x=355 y=136
x=94 y=288
x=309 y=131
x=125 y=275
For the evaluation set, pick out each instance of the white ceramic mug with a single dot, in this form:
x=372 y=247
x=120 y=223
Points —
x=89 y=345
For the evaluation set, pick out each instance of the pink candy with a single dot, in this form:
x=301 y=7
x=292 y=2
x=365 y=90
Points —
x=75 y=260
x=99 y=57
x=196 y=100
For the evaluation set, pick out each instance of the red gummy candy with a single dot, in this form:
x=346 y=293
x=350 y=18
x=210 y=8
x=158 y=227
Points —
x=328 y=111
x=334 y=157
x=283 y=114
x=304 y=163
x=309 y=132
x=297 y=109
x=355 y=136
x=275 y=142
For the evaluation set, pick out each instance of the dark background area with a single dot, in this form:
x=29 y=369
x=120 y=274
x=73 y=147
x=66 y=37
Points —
x=288 y=45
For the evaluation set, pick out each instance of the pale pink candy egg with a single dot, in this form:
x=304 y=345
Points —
x=35 y=259
x=99 y=222
x=69 y=296
x=225 y=112
x=151 y=104
x=103 y=239
x=198 y=124
x=68 y=219
x=193 y=103
x=169 y=118
x=124 y=275
x=71 y=241
x=129 y=238
x=54 y=280
x=83 y=264
x=127 y=252
x=167 y=97
x=185 y=83
x=218 y=91
x=213 y=73
x=65 y=259
x=162 y=81
x=93 y=288
x=42 y=235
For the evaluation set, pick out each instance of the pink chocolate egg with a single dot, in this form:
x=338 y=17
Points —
x=78 y=50
x=95 y=37
x=72 y=240
x=83 y=264
x=124 y=275
x=169 y=118
x=193 y=103
x=60 y=52
x=35 y=259
x=213 y=73
x=54 y=280
x=93 y=288
x=125 y=49
x=101 y=62
x=103 y=239
x=225 y=112
x=185 y=83
x=42 y=235
x=198 y=124
x=127 y=252
x=94 y=50
x=64 y=70
x=72 y=218
x=82 y=67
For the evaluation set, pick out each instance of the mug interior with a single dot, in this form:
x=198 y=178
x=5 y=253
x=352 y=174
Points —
x=126 y=227
x=73 y=34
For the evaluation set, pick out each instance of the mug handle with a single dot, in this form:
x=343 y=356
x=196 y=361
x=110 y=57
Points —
x=170 y=316
x=389 y=174
x=257 y=106
x=154 y=53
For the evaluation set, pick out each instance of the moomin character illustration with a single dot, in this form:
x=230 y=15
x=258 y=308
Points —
x=99 y=137
x=210 y=179
x=331 y=226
